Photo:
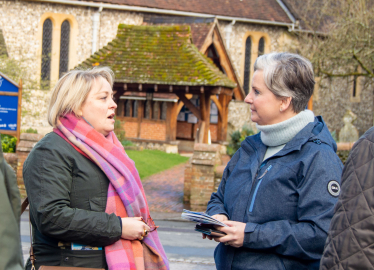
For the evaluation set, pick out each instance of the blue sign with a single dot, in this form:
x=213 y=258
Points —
x=8 y=105
x=7 y=86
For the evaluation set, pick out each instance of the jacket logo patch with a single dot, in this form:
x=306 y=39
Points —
x=333 y=188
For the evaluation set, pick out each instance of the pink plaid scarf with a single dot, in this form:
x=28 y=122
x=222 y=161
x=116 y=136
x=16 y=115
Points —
x=126 y=196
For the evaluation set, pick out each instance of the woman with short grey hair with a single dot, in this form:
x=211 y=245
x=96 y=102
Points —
x=278 y=191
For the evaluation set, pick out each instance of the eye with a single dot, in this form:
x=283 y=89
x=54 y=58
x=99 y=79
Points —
x=256 y=92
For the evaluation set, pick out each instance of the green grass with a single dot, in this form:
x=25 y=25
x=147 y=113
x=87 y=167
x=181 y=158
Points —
x=149 y=162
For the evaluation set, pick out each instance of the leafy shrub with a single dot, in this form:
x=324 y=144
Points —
x=8 y=143
x=333 y=135
x=30 y=130
x=127 y=143
x=236 y=139
x=119 y=130
x=343 y=155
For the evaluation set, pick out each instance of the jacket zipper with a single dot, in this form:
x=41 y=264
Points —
x=257 y=186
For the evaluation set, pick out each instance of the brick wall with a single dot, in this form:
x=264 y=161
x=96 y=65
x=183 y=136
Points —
x=131 y=128
x=184 y=130
x=200 y=176
x=153 y=130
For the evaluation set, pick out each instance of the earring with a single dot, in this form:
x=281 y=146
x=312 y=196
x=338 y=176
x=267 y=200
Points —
x=280 y=110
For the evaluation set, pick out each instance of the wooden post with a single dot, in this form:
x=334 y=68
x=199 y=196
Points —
x=205 y=114
x=140 y=116
x=171 y=121
x=19 y=111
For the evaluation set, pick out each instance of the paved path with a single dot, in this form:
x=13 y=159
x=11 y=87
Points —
x=164 y=190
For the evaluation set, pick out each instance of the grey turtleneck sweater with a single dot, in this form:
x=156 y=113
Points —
x=276 y=136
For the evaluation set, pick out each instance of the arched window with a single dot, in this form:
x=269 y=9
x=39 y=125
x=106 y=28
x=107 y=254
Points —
x=247 y=64
x=46 y=53
x=135 y=109
x=64 y=47
x=156 y=110
x=261 y=46
x=163 y=110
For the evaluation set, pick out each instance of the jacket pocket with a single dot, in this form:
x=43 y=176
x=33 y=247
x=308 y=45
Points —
x=83 y=258
x=257 y=187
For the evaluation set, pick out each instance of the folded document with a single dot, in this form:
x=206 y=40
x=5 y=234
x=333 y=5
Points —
x=201 y=217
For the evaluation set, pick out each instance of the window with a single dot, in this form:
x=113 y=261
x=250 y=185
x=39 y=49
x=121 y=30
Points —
x=46 y=54
x=156 y=110
x=254 y=45
x=261 y=46
x=135 y=109
x=64 y=48
x=147 y=109
x=58 y=47
x=247 y=64
x=128 y=106
x=163 y=110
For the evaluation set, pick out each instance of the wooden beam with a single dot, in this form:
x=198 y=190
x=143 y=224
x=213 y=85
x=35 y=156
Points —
x=11 y=94
x=189 y=105
x=218 y=104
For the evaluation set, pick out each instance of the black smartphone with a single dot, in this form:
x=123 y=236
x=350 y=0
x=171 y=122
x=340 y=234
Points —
x=209 y=231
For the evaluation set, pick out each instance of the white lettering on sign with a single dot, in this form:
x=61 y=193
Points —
x=12 y=126
x=2 y=125
x=1 y=81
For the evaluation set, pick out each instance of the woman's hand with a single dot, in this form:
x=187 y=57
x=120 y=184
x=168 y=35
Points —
x=235 y=233
x=218 y=217
x=133 y=228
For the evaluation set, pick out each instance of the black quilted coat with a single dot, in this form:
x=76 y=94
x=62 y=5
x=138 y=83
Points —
x=350 y=242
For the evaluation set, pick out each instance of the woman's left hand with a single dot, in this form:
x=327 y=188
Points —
x=235 y=233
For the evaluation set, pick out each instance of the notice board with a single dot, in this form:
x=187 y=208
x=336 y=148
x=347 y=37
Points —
x=10 y=106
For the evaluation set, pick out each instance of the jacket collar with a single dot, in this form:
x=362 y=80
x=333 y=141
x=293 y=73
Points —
x=316 y=130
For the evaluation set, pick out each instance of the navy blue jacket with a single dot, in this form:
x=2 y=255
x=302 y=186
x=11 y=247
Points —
x=284 y=201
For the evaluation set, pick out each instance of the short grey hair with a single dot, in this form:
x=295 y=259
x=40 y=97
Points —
x=288 y=75
x=72 y=90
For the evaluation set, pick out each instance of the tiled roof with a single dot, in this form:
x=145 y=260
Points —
x=268 y=10
x=157 y=55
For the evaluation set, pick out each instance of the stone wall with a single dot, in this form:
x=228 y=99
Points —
x=237 y=41
x=20 y=22
x=333 y=98
x=239 y=116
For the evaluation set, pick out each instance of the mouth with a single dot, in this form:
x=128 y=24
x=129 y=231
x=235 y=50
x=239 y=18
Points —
x=111 y=116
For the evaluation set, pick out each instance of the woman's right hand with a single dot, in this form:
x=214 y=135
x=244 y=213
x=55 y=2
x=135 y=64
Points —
x=218 y=217
x=133 y=228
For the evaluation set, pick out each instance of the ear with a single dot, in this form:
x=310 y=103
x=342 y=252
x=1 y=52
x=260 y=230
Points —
x=285 y=104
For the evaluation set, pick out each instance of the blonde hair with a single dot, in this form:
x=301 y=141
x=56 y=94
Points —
x=72 y=90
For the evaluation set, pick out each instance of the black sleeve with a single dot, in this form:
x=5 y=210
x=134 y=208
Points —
x=48 y=179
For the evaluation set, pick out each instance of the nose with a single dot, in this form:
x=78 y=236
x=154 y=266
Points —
x=248 y=99
x=113 y=104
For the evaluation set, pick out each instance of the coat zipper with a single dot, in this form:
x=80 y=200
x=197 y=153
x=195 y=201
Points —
x=257 y=186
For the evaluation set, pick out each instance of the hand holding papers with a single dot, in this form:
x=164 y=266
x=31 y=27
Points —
x=207 y=223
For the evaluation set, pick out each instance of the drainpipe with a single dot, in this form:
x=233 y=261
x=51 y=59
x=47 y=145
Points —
x=95 y=28
x=228 y=30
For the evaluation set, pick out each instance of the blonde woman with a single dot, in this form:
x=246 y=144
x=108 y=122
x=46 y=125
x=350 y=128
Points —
x=87 y=204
